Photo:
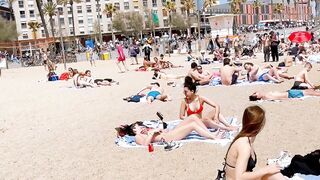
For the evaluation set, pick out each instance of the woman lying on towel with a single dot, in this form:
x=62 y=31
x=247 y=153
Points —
x=193 y=105
x=241 y=158
x=145 y=135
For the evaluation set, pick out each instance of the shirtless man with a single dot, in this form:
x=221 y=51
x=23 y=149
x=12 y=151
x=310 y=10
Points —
x=203 y=73
x=155 y=92
x=268 y=72
x=229 y=74
x=193 y=73
x=283 y=95
x=302 y=80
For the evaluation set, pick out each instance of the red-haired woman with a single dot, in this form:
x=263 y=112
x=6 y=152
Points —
x=241 y=157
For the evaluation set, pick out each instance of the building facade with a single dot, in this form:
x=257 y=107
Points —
x=248 y=15
x=5 y=13
x=86 y=14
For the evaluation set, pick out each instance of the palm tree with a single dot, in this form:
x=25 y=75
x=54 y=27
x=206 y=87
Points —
x=209 y=3
x=170 y=6
x=109 y=10
x=50 y=10
x=65 y=2
x=278 y=9
x=39 y=6
x=188 y=6
x=256 y=5
x=10 y=2
x=34 y=26
x=235 y=9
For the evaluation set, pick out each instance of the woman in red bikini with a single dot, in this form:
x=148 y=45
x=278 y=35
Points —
x=192 y=106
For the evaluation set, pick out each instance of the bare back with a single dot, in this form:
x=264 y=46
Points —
x=301 y=76
x=226 y=73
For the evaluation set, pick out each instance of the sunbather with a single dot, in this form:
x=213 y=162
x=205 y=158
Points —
x=229 y=73
x=302 y=80
x=155 y=92
x=193 y=73
x=276 y=95
x=193 y=104
x=162 y=75
x=241 y=158
x=102 y=82
x=145 y=136
x=266 y=73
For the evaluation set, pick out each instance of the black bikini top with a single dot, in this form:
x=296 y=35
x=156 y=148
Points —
x=251 y=162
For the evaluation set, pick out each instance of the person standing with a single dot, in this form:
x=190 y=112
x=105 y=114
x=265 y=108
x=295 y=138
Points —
x=147 y=50
x=274 y=47
x=218 y=45
x=266 y=47
x=133 y=52
x=121 y=58
x=189 y=41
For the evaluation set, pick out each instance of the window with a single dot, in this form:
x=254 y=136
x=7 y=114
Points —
x=22 y=14
x=244 y=19
x=71 y=31
x=61 y=21
x=89 y=9
x=31 y=12
x=165 y=22
x=42 y=33
x=25 y=36
x=267 y=10
x=20 y=4
x=30 y=5
x=80 y=21
x=88 y=0
x=90 y=21
x=70 y=20
x=117 y=6
x=60 y=9
x=145 y=3
x=81 y=32
x=23 y=25
x=154 y=3
x=109 y=27
x=79 y=9
x=126 y=5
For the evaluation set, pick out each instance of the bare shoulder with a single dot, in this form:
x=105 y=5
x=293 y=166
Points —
x=242 y=143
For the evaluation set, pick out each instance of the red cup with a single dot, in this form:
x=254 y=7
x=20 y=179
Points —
x=150 y=147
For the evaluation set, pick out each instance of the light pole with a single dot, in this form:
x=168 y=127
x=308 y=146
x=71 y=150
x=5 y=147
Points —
x=199 y=34
x=99 y=28
x=61 y=41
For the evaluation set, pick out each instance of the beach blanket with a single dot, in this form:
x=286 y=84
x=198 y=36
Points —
x=217 y=82
x=304 y=177
x=129 y=141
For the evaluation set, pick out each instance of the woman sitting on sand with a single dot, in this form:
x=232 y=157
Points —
x=264 y=74
x=145 y=135
x=192 y=105
x=102 y=82
x=241 y=158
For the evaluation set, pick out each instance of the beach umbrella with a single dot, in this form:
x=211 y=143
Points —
x=300 y=37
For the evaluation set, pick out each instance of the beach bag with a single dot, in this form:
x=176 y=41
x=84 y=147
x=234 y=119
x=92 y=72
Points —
x=54 y=77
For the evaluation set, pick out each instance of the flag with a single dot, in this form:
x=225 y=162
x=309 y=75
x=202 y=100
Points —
x=155 y=18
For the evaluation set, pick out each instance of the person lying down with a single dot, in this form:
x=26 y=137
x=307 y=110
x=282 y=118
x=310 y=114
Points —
x=145 y=135
x=276 y=95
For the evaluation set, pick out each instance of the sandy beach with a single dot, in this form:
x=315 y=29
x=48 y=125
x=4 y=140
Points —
x=49 y=130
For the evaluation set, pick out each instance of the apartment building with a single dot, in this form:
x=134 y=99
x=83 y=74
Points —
x=86 y=15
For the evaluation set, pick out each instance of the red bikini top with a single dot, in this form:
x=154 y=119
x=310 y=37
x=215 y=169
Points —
x=190 y=112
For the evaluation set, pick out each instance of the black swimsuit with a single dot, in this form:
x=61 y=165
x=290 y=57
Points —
x=251 y=162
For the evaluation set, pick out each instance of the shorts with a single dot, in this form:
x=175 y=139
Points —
x=295 y=94
x=153 y=94
x=234 y=79
x=261 y=77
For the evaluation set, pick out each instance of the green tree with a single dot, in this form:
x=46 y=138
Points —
x=178 y=22
x=278 y=9
x=110 y=10
x=256 y=5
x=39 y=6
x=209 y=3
x=8 y=30
x=169 y=7
x=34 y=26
x=135 y=22
x=50 y=10
x=235 y=9
x=119 y=23
x=65 y=2
x=189 y=6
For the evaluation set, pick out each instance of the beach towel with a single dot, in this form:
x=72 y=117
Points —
x=129 y=141
x=217 y=82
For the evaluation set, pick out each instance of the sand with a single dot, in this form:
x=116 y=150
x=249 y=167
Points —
x=51 y=131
